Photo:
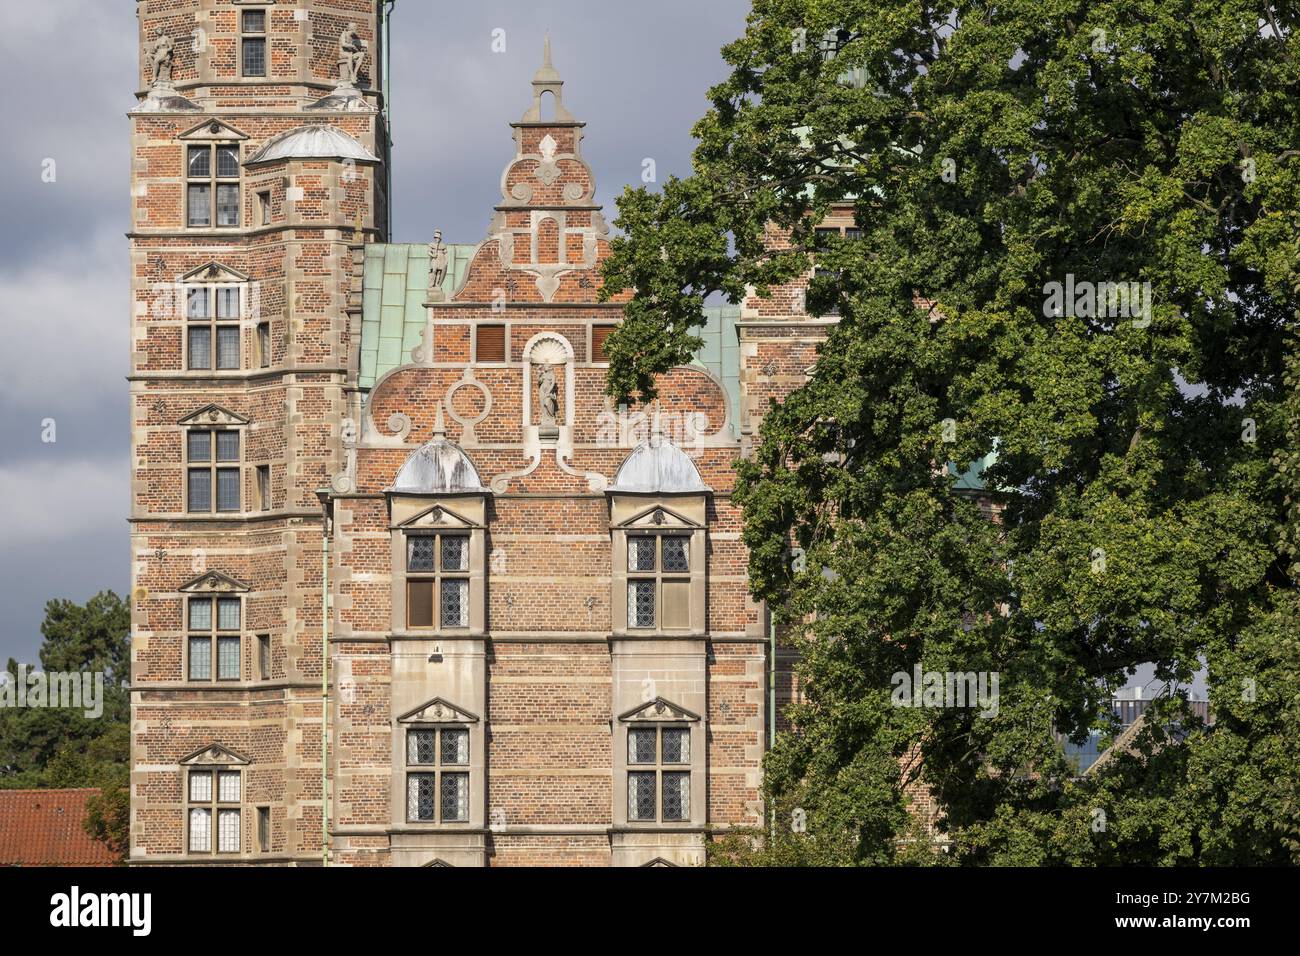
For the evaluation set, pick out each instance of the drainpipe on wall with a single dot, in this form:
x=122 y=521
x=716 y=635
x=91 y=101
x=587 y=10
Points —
x=385 y=20
x=771 y=698
x=325 y=529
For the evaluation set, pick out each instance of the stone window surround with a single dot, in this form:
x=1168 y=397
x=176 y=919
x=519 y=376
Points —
x=264 y=35
x=437 y=576
x=659 y=576
x=213 y=759
x=442 y=514
x=212 y=180
x=213 y=634
x=436 y=769
x=661 y=514
x=438 y=714
x=659 y=713
x=213 y=466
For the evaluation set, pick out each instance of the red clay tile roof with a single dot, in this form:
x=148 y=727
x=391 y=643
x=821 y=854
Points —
x=43 y=828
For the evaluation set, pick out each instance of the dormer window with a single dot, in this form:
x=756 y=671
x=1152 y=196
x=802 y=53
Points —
x=437 y=577
x=438 y=528
x=658 y=507
x=659 y=580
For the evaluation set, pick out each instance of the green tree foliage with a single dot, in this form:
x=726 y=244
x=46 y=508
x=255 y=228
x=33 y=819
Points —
x=1146 y=464
x=51 y=747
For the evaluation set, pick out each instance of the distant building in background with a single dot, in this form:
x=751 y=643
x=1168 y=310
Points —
x=44 y=828
x=1129 y=711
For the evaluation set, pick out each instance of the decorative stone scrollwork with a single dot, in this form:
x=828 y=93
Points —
x=400 y=424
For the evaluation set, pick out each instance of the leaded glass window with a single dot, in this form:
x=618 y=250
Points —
x=455 y=746
x=253 y=43
x=455 y=796
x=228 y=786
x=677 y=795
x=641 y=796
x=676 y=745
x=641 y=745
x=212 y=314
x=641 y=603
x=420 y=804
x=659 y=781
x=658 y=587
x=200 y=830
x=214 y=812
x=213 y=466
x=437 y=794
x=214 y=642
x=420 y=746
x=227 y=658
x=437 y=568
x=212 y=173
x=455 y=603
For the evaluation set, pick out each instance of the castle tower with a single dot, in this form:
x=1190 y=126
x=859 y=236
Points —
x=259 y=151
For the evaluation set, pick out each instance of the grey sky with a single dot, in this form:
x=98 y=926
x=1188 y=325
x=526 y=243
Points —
x=636 y=72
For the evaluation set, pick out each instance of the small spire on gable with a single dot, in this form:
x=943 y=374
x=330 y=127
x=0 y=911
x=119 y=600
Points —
x=439 y=424
x=547 y=80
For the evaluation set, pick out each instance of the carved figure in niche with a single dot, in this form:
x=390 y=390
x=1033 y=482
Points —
x=548 y=395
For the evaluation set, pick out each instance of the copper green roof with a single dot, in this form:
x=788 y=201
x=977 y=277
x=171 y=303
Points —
x=721 y=356
x=395 y=288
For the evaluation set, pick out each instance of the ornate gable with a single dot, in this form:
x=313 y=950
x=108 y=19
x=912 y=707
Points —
x=213 y=582
x=659 y=711
x=215 y=755
x=213 y=415
x=437 y=711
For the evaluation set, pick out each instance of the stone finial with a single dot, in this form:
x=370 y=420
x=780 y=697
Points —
x=439 y=423
x=547 y=80
x=547 y=73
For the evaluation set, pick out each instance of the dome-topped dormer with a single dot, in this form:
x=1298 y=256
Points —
x=438 y=467
x=657 y=466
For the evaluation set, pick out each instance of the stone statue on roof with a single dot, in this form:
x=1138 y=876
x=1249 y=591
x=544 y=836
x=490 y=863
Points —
x=352 y=53
x=437 y=261
x=163 y=56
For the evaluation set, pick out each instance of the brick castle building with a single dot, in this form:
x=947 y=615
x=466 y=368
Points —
x=407 y=590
